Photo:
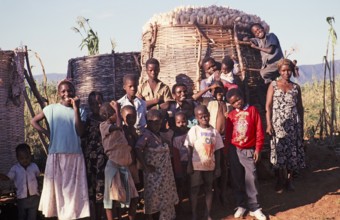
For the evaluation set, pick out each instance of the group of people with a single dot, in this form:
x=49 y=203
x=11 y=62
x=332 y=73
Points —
x=166 y=143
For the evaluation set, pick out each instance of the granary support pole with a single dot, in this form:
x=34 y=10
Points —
x=239 y=54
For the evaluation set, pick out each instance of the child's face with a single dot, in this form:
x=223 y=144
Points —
x=180 y=93
x=237 y=102
x=209 y=67
x=285 y=72
x=181 y=121
x=130 y=87
x=258 y=31
x=66 y=93
x=154 y=124
x=95 y=103
x=226 y=69
x=129 y=117
x=203 y=118
x=218 y=93
x=152 y=70
x=24 y=158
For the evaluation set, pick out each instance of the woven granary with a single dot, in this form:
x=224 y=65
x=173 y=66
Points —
x=102 y=73
x=181 y=38
x=11 y=107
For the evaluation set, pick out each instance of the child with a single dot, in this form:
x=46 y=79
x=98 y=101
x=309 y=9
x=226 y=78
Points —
x=203 y=142
x=244 y=139
x=183 y=104
x=153 y=91
x=65 y=192
x=95 y=157
x=25 y=174
x=209 y=68
x=119 y=184
x=180 y=153
x=296 y=69
x=130 y=84
x=219 y=109
x=129 y=116
x=270 y=49
x=226 y=75
x=159 y=184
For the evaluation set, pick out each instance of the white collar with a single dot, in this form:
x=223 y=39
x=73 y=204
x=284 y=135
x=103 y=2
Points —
x=244 y=108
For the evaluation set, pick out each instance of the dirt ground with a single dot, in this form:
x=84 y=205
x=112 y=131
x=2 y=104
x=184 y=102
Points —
x=317 y=194
x=316 y=197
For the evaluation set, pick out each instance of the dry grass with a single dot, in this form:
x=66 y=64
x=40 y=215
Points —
x=312 y=97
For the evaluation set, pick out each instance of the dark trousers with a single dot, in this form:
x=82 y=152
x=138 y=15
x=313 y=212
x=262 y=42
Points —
x=28 y=207
x=243 y=177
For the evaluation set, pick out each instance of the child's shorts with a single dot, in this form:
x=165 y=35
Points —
x=200 y=177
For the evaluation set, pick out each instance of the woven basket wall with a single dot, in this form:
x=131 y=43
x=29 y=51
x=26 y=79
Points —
x=181 y=48
x=11 y=110
x=103 y=73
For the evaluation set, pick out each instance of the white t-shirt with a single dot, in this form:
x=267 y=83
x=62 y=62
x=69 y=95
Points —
x=25 y=179
x=205 y=141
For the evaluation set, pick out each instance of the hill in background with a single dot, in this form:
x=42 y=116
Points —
x=308 y=73
x=51 y=77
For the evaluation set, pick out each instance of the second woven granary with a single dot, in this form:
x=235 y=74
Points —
x=103 y=73
x=181 y=38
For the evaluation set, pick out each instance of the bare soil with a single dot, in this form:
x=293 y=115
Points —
x=316 y=197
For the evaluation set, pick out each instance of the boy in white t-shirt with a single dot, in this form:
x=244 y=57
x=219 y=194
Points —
x=203 y=142
x=25 y=175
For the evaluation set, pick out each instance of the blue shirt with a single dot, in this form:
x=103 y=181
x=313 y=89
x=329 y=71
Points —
x=63 y=134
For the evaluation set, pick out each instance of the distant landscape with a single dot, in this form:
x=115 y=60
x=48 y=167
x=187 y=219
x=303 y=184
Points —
x=308 y=73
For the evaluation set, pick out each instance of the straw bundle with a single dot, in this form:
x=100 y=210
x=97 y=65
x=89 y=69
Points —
x=11 y=107
x=103 y=73
x=181 y=38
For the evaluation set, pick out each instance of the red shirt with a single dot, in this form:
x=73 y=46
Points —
x=244 y=128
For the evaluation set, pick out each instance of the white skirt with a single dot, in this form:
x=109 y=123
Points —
x=65 y=192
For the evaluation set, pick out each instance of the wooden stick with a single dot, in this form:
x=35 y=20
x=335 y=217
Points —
x=239 y=54
x=30 y=80
x=198 y=68
x=202 y=33
x=30 y=108
x=244 y=42
x=251 y=69
x=44 y=74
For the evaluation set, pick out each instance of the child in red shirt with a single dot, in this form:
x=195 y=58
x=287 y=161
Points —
x=244 y=139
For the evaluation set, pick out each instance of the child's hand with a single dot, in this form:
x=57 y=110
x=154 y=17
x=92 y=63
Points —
x=213 y=86
x=75 y=102
x=257 y=156
x=114 y=105
x=252 y=45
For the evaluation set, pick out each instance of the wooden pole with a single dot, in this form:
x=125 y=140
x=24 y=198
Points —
x=30 y=108
x=239 y=54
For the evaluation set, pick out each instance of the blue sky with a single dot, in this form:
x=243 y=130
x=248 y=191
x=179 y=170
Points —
x=45 y=26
